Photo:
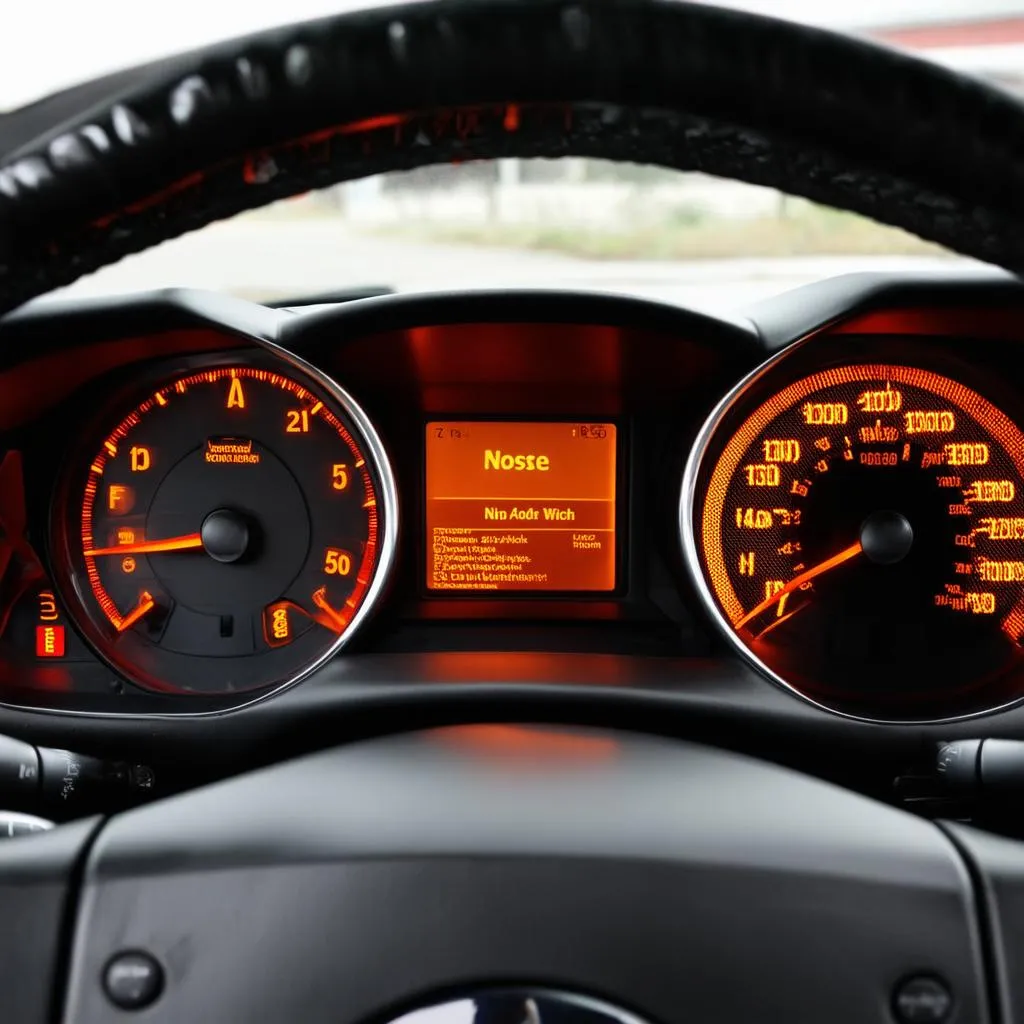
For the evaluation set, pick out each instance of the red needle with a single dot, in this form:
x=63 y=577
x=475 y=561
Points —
x=144 y=607
x=798 y=581
x=190 y=542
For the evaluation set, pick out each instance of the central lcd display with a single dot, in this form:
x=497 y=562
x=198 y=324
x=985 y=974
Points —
x=520 y=506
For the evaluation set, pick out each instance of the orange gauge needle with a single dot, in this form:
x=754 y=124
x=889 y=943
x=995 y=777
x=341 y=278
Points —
x=798 y=581
x=190 y=542
x=331 y=618
x=144 y=607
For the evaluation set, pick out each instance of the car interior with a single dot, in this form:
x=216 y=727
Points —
x=370 y=651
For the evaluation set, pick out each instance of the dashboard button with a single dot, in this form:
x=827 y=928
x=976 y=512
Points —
x=133 y=980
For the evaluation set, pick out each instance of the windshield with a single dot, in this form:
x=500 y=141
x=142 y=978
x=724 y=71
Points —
x=570 y=223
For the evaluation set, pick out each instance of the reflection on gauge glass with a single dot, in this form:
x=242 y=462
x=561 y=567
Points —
x=229 y=532
x=860 y=534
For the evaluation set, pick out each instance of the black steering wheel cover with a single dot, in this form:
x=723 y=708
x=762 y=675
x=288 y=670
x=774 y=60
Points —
x=683 y=883
x=232 y=127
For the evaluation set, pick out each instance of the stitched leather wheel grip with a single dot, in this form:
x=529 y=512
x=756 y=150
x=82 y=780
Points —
x=237 y=125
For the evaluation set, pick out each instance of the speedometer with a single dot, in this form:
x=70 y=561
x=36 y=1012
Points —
x=228 y=531
x=859 y=534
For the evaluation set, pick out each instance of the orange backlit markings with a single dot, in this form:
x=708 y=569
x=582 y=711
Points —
x=879 y=459
x=337 y=562
x=49 y=641
x=966 y=454
x=747 y=562
x=763 y=475
x=236 y=396
x=823 y=444
x=128 y=565
x=111 y=448
x=339 y=476
x=821 y=466
x=928 y=422
x=981 y=603
x=47 y=606
x=120 y=499
x=297 y=421
x=160 y=400
x=997 y=528
x=802 y=489
x=782 y=450
x=1000 y=572
x=316 y=408
x=277 y=626
x=991 y=490
x=960 y=509
x=887 y=399
x=126 y=535
x=753 y=519
x=825 y=414
x=772 y=587
x=141 y=458
x=878 y=433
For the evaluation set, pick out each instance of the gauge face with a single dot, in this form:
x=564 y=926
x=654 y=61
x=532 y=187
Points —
x=229 y=532
x=861 y=533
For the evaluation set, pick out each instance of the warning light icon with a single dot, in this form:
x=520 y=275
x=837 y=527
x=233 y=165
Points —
x=49 y=641
x=277 y=627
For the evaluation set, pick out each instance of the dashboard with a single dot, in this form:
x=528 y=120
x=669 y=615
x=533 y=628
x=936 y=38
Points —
x=814 y=513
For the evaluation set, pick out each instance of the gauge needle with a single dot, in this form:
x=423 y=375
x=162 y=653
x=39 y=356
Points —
x=798 y=581
x=144 y=607
x=190 y=542
x=335 y=620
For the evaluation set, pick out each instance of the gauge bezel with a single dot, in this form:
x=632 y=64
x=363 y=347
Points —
x=693 y=559
x=263 y=355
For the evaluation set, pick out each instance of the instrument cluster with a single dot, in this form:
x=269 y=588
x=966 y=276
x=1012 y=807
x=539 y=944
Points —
x=205 y=526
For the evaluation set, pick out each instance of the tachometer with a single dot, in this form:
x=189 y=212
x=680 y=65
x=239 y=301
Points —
x=229 y=532
x=860 y=535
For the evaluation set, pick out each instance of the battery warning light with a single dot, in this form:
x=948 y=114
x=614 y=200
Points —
x=49 y=641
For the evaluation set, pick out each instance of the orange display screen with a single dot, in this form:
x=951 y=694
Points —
x=520 y=506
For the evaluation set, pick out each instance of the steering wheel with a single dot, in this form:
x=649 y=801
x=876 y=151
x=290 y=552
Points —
x=674 y=881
